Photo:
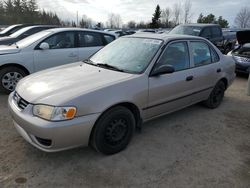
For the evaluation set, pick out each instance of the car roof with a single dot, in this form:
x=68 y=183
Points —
x=164 y=36
x=34 y=26
x=78 y=29
x=200 y=25
x=24 y=29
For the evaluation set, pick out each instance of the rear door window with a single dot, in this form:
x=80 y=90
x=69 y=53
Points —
x=90 y=39
x=201 y=54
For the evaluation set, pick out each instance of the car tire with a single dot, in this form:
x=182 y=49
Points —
x=9 y=76
x=216 y=96
x=113 y=131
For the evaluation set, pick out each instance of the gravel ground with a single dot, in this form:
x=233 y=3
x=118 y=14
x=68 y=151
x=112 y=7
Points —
x=194 y=147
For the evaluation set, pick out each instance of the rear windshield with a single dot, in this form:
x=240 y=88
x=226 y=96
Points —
x=7 y=29
x=186 y=30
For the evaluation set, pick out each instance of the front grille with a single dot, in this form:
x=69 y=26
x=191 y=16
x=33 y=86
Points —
x=44 y=142
x=20 y=102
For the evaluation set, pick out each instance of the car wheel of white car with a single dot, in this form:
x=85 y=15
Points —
x=10 y=76
x=113 y=131
x=216 y=96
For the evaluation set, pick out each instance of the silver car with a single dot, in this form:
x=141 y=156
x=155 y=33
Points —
x=100 y=102
x=47 y=49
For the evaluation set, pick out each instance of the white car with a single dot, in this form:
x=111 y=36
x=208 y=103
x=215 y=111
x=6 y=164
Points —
x=47 y=49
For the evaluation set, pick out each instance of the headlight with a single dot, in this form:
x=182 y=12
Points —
x=52 y=113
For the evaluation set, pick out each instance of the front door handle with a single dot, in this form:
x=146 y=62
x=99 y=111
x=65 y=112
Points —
x=189 y=78
x=218 y=70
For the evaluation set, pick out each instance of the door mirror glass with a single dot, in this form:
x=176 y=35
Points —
x=164 y=69
x=44 y=46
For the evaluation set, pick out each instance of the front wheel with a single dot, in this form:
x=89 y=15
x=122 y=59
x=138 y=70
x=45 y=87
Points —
x=113 y=131
x=216 y=96
x=9 y=77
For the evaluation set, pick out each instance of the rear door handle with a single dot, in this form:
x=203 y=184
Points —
x=189 y=78
x=218 y=70
x=72 y=55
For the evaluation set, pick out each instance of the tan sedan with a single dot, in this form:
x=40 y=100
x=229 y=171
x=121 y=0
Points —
x=101 y=101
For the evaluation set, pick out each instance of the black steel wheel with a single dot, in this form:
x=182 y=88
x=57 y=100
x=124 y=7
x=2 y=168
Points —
x=216 y=96
x=113 y=131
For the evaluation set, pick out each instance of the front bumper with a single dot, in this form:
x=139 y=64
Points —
x=51 y=136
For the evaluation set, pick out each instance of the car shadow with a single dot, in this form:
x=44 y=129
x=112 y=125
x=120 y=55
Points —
x=242 y=75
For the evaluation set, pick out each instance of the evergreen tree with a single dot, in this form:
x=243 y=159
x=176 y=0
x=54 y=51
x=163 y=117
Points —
x=2 y=13
x=25 y=11
x=156 y=18
x=200 y=19
x=212 y=19
x=222 y=22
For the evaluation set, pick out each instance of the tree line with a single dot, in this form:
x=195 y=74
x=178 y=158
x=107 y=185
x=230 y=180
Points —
x=25 y=11
x=180 y=13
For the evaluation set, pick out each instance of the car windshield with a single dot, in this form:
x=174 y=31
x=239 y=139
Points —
x=186 y=30
x=128 y=54
x=7 y=29
x=31 y=39
x=19 y=32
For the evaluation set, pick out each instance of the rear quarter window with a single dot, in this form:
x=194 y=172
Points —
x=215 y=57
x=108 y=38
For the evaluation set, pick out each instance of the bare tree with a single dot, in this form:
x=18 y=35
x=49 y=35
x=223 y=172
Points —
x=242 y=19
x=114 y=21
x=187 y=6
x=86 y=22
x=176 y=13
x=166 y=16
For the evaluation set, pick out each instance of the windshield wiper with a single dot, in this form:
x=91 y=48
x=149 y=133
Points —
x=105 y=65
x=88 y=61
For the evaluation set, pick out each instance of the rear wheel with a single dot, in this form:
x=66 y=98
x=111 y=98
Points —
x=216 y=96
x=9 y=77
x=113 y=131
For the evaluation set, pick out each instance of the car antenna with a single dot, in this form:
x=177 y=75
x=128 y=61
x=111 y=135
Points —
x=16 y=45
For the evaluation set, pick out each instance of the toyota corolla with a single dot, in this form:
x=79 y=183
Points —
x=100 y=102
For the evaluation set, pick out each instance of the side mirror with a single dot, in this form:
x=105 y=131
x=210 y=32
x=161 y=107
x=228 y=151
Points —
x=44 y=46
x=164 y=69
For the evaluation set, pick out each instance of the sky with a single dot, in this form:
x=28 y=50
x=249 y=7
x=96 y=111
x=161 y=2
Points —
x=138 y=10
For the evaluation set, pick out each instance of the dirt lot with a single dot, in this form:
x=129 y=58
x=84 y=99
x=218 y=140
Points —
x=195 y=147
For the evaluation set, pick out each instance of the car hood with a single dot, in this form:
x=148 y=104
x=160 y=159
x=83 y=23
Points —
x=243 y=37
x=8 y=49
x=58 y=85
